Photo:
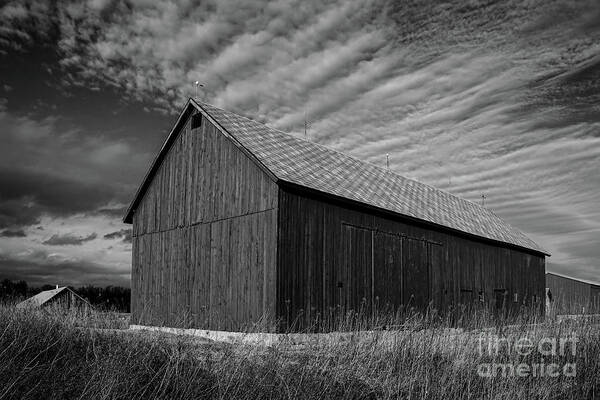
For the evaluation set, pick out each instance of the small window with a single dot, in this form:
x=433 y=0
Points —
x=466 y=296
x=196 y=121
x=501 y=297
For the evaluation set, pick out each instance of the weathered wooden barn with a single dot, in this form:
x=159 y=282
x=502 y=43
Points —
x=236 y=220
x=572 y=296
x=61 y=297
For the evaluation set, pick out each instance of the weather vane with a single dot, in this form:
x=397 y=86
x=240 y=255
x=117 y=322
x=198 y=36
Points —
x=197 y=84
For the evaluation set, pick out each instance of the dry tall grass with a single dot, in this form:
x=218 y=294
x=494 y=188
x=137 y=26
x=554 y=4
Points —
x=52 y=355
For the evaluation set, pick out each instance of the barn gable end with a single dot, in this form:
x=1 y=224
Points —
x=204 y=245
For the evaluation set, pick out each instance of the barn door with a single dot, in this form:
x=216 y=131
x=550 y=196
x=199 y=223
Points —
x=387 y=271
x=440 y=285
x=416 y=273
x=355 y=274
x=500 y=302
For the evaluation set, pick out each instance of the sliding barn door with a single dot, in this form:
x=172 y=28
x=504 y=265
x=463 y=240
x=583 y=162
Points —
x=387 y=271
x=384 y=271
x=355 y=275
x=440 y=280
x=416 y=273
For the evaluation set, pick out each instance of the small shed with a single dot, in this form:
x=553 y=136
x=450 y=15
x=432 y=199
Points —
x=62 y=297
x=236 y=221
x=567 y=295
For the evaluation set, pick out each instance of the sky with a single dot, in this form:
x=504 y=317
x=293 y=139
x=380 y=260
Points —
x=500 y=99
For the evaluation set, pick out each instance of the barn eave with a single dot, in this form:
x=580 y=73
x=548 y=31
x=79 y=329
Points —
x=441 y=228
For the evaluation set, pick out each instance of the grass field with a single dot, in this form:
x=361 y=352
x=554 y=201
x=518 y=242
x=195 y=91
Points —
x=48 y=354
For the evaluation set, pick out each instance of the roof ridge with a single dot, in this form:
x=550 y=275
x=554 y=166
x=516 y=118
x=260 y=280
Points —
x=351 y=156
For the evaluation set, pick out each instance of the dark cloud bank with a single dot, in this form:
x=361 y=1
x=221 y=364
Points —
x=41 y=268
x=12 y=234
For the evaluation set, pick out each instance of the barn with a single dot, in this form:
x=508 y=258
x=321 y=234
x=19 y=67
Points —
x=236 y=221
x=61 y=297
x=572 y=296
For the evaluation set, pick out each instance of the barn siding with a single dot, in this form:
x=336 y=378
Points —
x=572 y=296
x=204 y=237
x=324 y=245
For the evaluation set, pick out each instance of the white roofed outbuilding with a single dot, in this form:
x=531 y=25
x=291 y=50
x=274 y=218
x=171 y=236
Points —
x=61 y=296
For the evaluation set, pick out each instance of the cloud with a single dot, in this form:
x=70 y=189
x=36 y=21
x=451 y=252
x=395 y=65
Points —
x=12 y=234
x=124 y=234
x=48 y=169
x=40 y=268
x=24 y=22
x=28 y=195
x=115 y=212
x=69 y=239
x=494 y=98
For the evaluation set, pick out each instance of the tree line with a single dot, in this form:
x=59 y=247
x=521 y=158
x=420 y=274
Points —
x=113 y=298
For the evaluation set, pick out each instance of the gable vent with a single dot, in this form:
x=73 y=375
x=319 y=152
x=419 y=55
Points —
x=196 y=121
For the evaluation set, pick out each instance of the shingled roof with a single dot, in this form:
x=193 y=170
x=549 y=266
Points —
x=46 y=296
x=287 y=158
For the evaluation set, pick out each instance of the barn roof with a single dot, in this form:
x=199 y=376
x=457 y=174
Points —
x=587 y=282
x=290 y=159
x=40 y=298
x=43 y=297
